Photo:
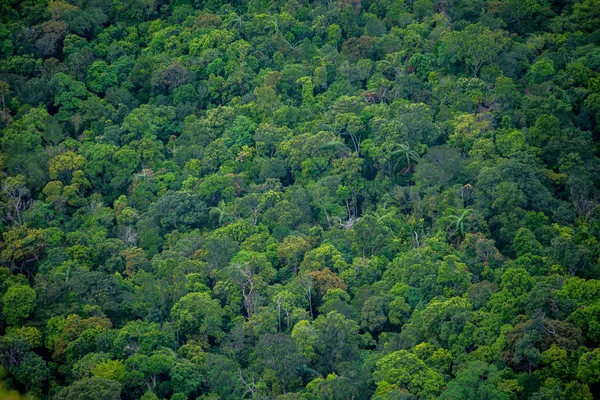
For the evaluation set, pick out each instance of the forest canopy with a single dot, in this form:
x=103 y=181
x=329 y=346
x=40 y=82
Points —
x=300 y=199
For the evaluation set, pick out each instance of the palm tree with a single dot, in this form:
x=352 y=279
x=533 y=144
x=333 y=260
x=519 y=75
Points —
x=336 y=147
x=458 y=222
x=394 y=62
x=404 y=152
x=218 y=211
x=236 y=21
x=274 y=24
x=381 y=215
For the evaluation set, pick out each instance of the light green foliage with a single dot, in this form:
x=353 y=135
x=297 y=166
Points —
x=403 y=370
x=242 y=130
x=32 y=335
x=91 y=389
x=100 y=77
x=18 y=303
x=589 y=367
x=65 y=164
x=292 y=250
x=305 y=337
x=109 y=369
x=541 y=70
x=517 y=281
x=69 y=92
x=198 y=314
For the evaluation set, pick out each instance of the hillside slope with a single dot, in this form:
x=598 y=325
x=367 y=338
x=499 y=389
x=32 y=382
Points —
x=300 y=200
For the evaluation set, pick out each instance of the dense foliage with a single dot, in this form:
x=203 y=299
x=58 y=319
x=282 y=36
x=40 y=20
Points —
x=387 y=199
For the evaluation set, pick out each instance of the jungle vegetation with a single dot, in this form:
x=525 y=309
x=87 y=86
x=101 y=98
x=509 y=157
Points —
x=300 y=199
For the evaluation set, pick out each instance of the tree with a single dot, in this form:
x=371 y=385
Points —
x=337 y=340
x=372 y=236
x=149 y=121
x=323 y=199
x=476 y=380
x=63 y=165
x=436 y=322
x=279 y=353
x=219 y=212
x=334 y=387
x=517 y=281
x=588 y=367
x=15 y=194
x=134 y=10
x=476 y=45
x=176 y=210
x=458 y=222
x=69 y=92
x=439 y=166
x=217 y=187
x=288 y=308
x=197 y=315
x=101 y=76
x=584 y=202
x=454 y=276
x=91 y=389
x=373 y=314
x=109 y=369
x=529 y=339
x=242 y=130
x=6 y=41
x=389 y=155
x=32 y=372
x=307 y=284
x=170 y=77
x=292 y=250
x=325 y=280
x=151 y=370
x=405 y=153
x=251 y=272
x=186 y=377
x=141 y=337
x=18 y=303
x=75 y=335
x=403 y=370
